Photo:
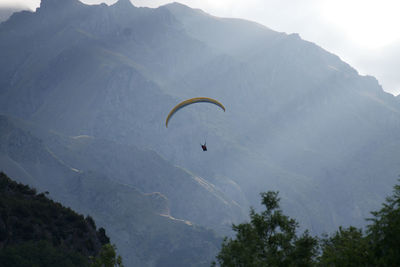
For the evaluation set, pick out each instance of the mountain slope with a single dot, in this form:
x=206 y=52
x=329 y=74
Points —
x=6 y=12
x=140 y=224
x=298 y=119
x=308 y=113
x=31 y=217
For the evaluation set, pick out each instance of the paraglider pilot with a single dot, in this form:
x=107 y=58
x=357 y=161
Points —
x=204 y=147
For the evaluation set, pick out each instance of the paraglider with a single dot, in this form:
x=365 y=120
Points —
x=204 y=147
x=189 y=102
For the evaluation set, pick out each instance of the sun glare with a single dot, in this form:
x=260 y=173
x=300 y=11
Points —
x=368 y=23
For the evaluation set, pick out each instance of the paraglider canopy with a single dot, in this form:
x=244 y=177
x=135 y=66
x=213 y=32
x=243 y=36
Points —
x=189 y=102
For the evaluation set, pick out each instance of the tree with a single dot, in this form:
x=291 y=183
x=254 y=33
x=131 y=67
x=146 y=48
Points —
x=41 y=253
x=346 y=247
x=379 y=247
x=384 y=232
x=268 y=240
x=108 y=257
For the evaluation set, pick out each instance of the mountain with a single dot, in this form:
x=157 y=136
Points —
x=30 y=219
x=141 y=224
x=298 y=119
x=311 y=116
x=6 y=12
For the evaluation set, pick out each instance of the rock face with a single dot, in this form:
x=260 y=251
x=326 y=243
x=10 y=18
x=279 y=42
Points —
x=135 y=221
x=298 y=119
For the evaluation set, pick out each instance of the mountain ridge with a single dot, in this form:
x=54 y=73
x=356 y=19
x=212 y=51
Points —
x=298 y=119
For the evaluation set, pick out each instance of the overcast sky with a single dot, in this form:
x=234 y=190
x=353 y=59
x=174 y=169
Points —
x=364 y=33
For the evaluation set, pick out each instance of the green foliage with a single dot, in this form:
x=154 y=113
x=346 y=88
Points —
x=268 y=240
x=384 y=231
x=378 y=247
x=346 y=247
x=90 y=221
x=104 y=239
x=36 y=231
x=108 y=257
x=42 y=254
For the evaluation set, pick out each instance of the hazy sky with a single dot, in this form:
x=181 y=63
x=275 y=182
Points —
x=364 y=33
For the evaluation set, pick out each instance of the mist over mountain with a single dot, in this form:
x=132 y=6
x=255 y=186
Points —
x=95 y=84
x=139 y=223
x=5 y=13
